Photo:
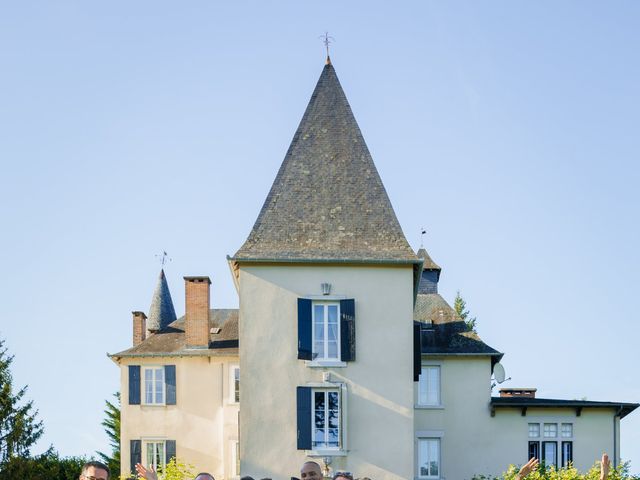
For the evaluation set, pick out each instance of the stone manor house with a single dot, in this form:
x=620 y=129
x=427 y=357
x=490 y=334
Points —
x=341 y=349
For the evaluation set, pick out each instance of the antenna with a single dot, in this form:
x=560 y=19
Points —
x=499 y=375
x=163 y=257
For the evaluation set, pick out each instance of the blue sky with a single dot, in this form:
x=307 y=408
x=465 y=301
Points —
x=509 y=130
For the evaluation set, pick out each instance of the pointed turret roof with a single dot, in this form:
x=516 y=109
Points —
x=428 y=264
x=327 y=201
x=161 y=312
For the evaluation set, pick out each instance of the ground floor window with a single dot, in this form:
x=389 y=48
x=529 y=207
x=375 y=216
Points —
x=567 y=453
x=534 y=450
x=326 y=419
x=550 y=453
x=156 y=454
x=428 y=458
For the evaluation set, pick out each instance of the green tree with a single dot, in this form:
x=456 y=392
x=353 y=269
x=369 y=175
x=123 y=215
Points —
x=460 y=306
x=111 y=424
x=19 y=426
x=46 y=466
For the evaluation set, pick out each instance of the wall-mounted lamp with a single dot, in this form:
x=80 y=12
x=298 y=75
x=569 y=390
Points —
x=326 y=288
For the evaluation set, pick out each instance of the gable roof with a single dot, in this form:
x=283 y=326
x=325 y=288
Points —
x=161 y=312
x=327 y=201
x=172 y=341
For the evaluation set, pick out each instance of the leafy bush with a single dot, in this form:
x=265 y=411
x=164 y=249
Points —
x=565 y=473
x=47 y=466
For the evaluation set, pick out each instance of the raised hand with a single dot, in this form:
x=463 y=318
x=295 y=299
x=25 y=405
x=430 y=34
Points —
x=604 y=466
x=527 y=468
x=147 y=474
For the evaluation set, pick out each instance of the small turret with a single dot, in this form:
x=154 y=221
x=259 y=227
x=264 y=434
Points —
x=430 y=273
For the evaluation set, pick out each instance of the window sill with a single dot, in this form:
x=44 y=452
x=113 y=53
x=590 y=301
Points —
x=325 y=363
x=429 y=407
x=153 y=405
x=326 y=453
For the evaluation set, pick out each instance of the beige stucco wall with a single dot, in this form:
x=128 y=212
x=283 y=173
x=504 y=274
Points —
x=203 y=422
x=379 y=409
x=473 y=442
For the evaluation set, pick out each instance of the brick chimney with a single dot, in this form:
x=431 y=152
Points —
x=197 y=296
x=139 y=328
x=518 y=392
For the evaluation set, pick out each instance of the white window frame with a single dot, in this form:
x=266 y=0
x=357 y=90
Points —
x=324 y=359
x=326 y=391
x=234 y=458
x=143 y=380
x=233 y=368
x=422 y=382
x=156 y=442
x=562 y=432
x=529 y=430
x=426 y=437
x=558 y=439
x=550 y=425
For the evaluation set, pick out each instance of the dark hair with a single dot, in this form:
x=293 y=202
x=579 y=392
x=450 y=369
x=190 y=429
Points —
x=205 y=473
x=247 y=478
x=96 y=464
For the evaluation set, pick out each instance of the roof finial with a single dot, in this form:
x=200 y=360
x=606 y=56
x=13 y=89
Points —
x=326 y=39
x=422 y=234
x=164 y=258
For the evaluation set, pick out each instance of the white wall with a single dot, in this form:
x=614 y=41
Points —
x=203 y=422
x=476 y=443
x=379 y=414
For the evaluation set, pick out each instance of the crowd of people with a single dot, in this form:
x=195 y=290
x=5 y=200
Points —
x=310 y=471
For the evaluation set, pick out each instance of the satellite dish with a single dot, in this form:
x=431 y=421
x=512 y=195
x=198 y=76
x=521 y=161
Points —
x=498 y=372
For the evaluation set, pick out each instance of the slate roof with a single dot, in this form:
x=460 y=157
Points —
x=327 y=201
x=429 y=264
x=171 y=340
x=443 y=332
x=161 y=312
x=521 y=402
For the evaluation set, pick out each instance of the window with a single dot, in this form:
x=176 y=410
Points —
x=326 y=331
x=235 y=458
x=550 y=453
x=234 y=383
x=567 y=453
x=429 y=385
x=154 y=385
x=534 y=430
x=534 y=450
x=326 y=419
x=428 y=458
x=566 y=430
x=550 y=430
x=155 y=455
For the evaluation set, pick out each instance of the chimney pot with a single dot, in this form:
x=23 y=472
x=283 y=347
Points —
x=518 y=392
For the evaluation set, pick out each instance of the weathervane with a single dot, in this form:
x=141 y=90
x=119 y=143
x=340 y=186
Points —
x=164 y=258
x=326 y=39
x=422 y=234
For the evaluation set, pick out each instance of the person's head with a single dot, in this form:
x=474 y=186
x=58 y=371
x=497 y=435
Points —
x=247 y=478
x=310 y=471
x=342 y=476
x=204 y=476
x=94 y=471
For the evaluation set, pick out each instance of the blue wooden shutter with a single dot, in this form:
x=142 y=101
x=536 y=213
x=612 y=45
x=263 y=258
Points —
x=170 y=449
x=134 y=384
x=417 y=352
x=348 y=330
x=170 y=384
x=135 y=454
x=304 y=329
x=304 y=417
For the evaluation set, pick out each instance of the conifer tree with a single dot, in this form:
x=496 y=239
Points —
x=19 y=425
x=460 y=306
x=111 y=424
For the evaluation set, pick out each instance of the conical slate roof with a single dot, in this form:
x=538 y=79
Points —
x=429 y=264
x=327 y=201
x=161 y=312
